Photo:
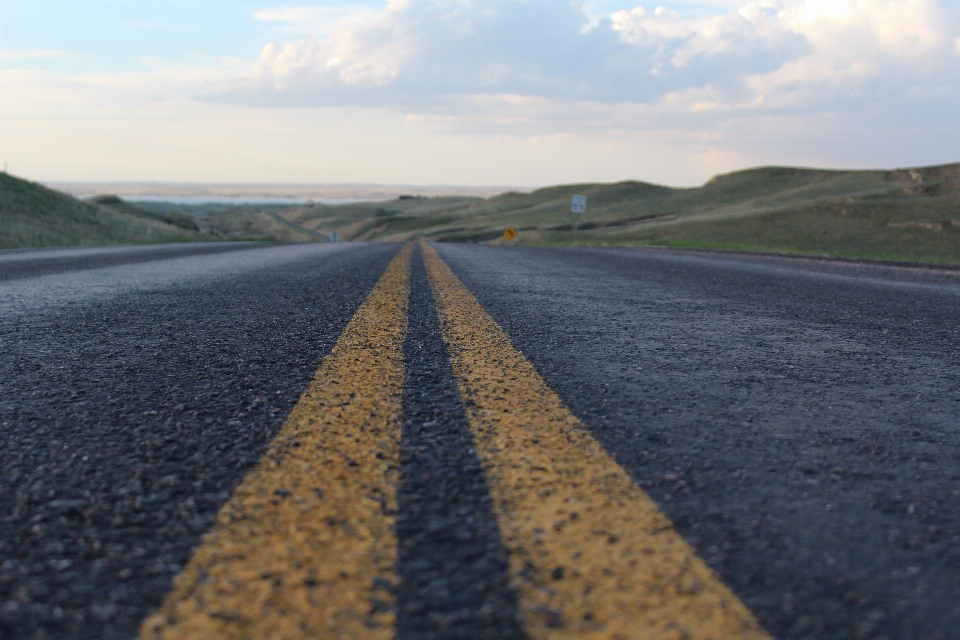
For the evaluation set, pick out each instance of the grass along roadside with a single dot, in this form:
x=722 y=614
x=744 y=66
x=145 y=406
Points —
x=900 y=230
x=902 y=214
x=32 y=215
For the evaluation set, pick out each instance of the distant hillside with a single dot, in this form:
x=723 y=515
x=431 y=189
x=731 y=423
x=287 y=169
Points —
x=911 y=214
x=255 y=191
x=905 y=214
x=117 y=205
x=32 y=215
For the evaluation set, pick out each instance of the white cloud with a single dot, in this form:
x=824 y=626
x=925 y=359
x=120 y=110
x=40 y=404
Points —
x=419 y=53
x=767 y=54
x=317 y=20
x=829 y=82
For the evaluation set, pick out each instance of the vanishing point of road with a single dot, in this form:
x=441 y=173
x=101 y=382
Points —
x=460 y=441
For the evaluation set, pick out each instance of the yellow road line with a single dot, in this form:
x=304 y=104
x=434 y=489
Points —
x=591 y=556
x=305 y=547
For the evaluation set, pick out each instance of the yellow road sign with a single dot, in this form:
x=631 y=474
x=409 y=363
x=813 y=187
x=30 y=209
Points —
x=510 y=233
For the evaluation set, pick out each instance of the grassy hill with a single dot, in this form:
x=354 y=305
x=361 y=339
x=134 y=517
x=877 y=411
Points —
x=32 y=215
x=312 y=222
x=903 y=214
x=909 y=214
x=237 y=222
x=117 y=205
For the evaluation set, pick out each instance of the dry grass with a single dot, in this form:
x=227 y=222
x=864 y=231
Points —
x=32 y=215
x=909 y=214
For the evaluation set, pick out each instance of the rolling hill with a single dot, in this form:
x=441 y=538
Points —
x=32 y=215
x=908 y=214
x=902 y=214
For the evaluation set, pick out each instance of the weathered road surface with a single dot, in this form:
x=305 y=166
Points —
x=133 y=399
x=792 y=425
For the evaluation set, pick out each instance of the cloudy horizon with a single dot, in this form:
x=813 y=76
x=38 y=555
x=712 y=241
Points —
x=473 y=92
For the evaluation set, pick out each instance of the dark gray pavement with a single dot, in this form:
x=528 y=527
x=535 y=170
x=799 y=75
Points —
x=133 y=398
x=30 y=263
x=453 y=567
x=798 y=420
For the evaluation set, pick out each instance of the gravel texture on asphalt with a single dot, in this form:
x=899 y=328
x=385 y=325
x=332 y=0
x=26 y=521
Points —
x=796 y=419
x=452 y=564
x=59 y=292
x=127 y=420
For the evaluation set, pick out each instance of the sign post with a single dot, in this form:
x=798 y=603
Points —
x=578 y=206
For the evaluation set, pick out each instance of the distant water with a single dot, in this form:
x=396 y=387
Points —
x=238 y=200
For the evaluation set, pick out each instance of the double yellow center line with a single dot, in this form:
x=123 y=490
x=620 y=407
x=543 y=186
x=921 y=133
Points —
x=305 y=547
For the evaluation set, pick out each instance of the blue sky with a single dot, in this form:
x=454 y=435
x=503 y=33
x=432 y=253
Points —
x=118 y=34
x=511 y=92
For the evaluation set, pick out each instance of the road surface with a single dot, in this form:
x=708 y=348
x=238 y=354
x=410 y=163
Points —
x=476 y=441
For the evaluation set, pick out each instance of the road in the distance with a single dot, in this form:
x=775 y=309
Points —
x=31 y=263
x=798 y=420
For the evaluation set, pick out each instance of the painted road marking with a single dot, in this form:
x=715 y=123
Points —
x=305 y=547
x=591 y=556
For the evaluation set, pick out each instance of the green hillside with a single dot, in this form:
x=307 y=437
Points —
x=392 y=220
x=237 y=221
x=118 y=205
x=909 y=214
x=32 y=215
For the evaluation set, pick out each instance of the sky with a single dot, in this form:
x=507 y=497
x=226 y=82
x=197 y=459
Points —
x=473 y=92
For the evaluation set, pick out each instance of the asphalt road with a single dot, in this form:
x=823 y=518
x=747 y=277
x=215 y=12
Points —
x=31 y=263
x=452 y=563
x=133 y=398
x=796 y=420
